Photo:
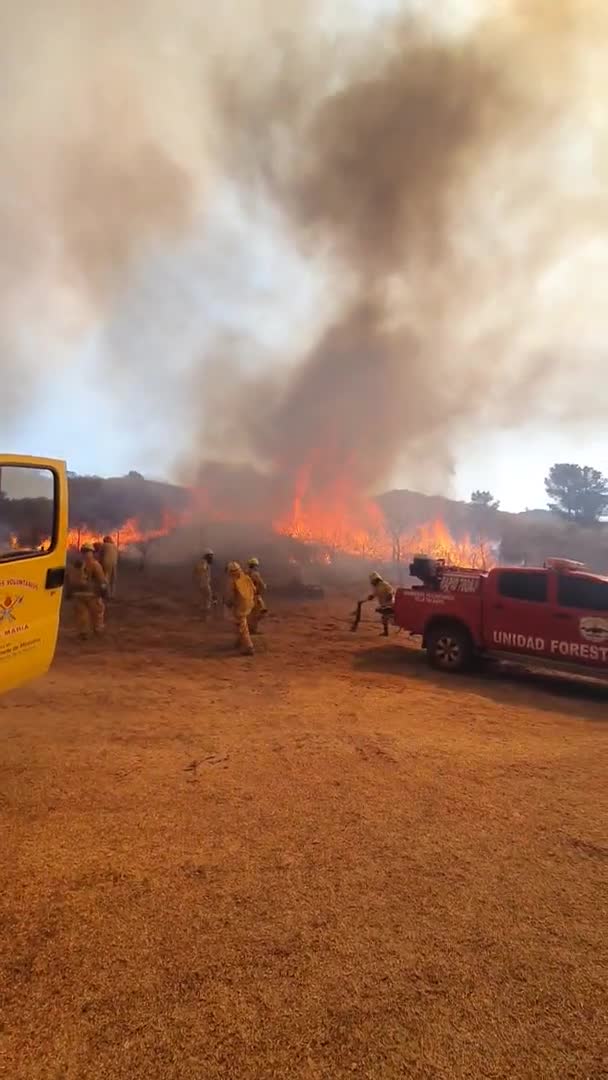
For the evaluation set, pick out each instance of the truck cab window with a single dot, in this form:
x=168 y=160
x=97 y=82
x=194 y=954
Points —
x=521 y=585
x=581 y=592
x=27 y=511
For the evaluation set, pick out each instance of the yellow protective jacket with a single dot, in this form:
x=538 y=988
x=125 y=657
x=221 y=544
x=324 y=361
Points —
x=258 y=581
x=241 y=594
x=202 y=574
x=86 y=579
x=108 y=557
x=383 y=593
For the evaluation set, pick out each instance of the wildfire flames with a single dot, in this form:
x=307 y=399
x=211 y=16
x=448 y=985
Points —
x=335 y=522
x=130 y=533
x=373 y=541
x=437 y=541
x=342 y=521
x=336 y=529
x=333 y=530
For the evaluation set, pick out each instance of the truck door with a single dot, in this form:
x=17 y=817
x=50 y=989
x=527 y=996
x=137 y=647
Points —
x=33 y=533
x=516 y=612
x=580 y=625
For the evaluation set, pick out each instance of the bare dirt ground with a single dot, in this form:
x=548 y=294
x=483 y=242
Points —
x=324 y=862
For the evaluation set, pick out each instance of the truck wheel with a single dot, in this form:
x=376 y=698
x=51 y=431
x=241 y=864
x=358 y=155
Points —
x=449 y=648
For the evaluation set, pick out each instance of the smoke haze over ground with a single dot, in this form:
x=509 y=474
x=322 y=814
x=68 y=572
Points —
x=304 y=241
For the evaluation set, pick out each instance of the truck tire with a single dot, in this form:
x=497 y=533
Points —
x=449 y=647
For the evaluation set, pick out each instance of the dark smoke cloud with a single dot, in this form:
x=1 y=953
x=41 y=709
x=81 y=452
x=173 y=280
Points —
x=429 y=180
x=386 y=157
x=432 y=177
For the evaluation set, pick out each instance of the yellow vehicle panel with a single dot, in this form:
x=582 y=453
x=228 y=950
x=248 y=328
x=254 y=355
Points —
x=33 y=536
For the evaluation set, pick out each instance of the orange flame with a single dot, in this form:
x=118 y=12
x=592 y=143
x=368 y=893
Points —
x=358 y=527
x=130 y=533
x=336 y=520
x=435 y=539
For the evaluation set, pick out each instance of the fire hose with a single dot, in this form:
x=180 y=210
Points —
x=384 y=613
x=357 y=614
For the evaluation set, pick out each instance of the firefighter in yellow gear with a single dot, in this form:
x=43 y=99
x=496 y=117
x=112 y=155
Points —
x=202 y=577
x=240 y=598
x=108 y=557
x=259 y=605
x=384 y=595
x=87 y=587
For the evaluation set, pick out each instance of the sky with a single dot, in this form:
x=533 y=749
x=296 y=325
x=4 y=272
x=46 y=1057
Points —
x=233 y=276
x=80 y=428
x=73 y=414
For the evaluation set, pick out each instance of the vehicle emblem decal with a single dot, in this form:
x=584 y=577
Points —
x=594 y=628
x=7 y=608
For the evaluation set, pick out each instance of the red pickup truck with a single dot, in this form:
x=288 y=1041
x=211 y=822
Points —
x=556 y=614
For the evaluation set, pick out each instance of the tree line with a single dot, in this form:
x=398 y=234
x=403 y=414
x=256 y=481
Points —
x=94 y=502
x=575 y=492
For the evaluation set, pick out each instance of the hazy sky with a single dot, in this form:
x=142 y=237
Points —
x=77 y=424
x=232 y=276
x=266 y=287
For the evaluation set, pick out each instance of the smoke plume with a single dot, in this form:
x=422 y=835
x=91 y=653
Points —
x=429 y=183
x=443 y=184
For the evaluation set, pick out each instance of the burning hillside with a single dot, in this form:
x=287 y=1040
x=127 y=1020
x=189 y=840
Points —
x=232 y=508
x=341 y=521
x=334 y=522
x=329 y=523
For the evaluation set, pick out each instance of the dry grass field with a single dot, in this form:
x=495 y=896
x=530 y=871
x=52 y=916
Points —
x=323 y=862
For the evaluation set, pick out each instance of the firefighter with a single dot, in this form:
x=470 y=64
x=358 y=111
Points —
x=240 y=598
x=87 y=587
x=109 y=563
x=384 y=595
x=259 y=605
x=202 y=576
